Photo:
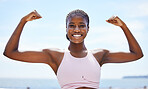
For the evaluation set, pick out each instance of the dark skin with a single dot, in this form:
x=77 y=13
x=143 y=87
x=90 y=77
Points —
x=77 y=29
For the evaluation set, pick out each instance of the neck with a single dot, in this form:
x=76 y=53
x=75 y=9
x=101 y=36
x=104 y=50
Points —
x=77 y=47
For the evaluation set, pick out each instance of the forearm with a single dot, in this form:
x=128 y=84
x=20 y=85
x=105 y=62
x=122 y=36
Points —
x=13 y=42
x=133 y=44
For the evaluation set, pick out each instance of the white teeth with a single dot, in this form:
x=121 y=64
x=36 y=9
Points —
x=76 y=35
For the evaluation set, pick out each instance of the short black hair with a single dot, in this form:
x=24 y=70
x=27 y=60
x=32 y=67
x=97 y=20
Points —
x=78 y=12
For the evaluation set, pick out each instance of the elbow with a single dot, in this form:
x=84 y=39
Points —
x=9 y=53
x=6 y=54
x=139 y=56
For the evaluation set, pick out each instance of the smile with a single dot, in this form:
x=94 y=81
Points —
x=77 y=35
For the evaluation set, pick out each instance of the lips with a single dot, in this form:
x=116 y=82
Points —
x=77 y=35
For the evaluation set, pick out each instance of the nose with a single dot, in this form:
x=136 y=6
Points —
x=77 y=29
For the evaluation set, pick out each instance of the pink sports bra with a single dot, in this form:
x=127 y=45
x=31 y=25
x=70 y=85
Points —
x=78 y=72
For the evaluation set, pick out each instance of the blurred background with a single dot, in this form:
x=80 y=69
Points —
x=50 y=32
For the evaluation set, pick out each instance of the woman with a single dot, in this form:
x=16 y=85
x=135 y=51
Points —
x=76 y=67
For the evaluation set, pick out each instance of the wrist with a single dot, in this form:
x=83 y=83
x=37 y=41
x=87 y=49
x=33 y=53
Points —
x=23 y=20
x=123 y=25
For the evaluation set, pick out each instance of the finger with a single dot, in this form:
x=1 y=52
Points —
x=31 y=17
x=37 y=14
x=34 y=17
x=106 y=20
x=109 y=21
x=112 y=21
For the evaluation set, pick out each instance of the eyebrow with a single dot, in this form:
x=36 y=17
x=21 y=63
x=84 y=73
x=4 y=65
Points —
x=82 y=23
x=71 y=23
x=79 y=23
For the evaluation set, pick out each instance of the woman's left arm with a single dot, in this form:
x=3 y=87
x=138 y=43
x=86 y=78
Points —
x=134 y=48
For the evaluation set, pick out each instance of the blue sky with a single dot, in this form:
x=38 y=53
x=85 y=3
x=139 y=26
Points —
x=49 y=32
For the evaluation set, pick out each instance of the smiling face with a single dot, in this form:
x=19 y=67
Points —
x=77 y=28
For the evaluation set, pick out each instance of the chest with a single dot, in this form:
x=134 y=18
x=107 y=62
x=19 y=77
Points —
x=82 y=69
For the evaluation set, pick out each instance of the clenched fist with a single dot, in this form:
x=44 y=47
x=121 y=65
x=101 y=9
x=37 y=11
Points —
x=116 y=21
x=32 y=16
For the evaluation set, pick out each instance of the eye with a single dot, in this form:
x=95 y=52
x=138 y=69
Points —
x=72 y=26
x=81 y=26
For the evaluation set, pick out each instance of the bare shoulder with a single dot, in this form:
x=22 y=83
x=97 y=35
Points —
x=54 y=51
x=99 y=54
x=55 y=54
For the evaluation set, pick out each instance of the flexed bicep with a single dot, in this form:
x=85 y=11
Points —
x=119 y=57
x=30 y=56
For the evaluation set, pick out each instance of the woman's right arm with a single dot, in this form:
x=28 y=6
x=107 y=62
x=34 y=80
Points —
x=11 y=49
